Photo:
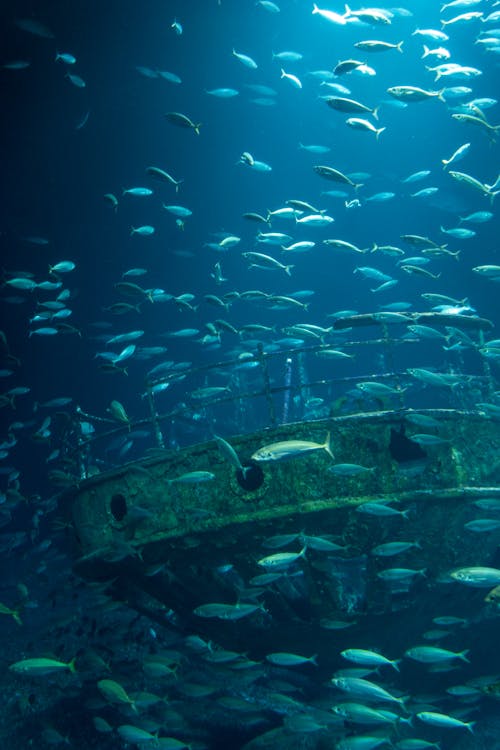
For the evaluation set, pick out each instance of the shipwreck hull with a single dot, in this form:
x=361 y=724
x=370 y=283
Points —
x=196 y=543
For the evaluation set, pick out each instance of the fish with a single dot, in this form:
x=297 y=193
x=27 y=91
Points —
x=182 y=121
x=370 y=15
x=433 y=654
x=330 y=173
x=163 y=176
x=491 y=130
x=40 y=666
x=136 y=735
x=142 y=192
x=368 y=658
x=388 y=549
x=146 y=230
x=193 y=477
x=358 y=123
x=259 y=260
x=230 y=454
x=349 y=470
x=330 y=15
x=342 y=104
x=227 y=611
x=64 y=266
x=77 y=81
x=375 y=45
x=285 y=659
x=472 y=182
x=223 y=93
x=477 y=577
x=290 y=449
x=294 y=80
x=14 y=613
x=281 y=559
x=414 y=93
x=357 y=713
x=358 y=686
x=247 y=61
x=443 y=720
x=114 y=693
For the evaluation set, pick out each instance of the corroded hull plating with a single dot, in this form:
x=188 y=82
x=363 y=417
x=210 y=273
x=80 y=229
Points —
x=206 y=538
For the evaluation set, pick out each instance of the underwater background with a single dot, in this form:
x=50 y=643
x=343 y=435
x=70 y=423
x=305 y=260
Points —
x=145 y=147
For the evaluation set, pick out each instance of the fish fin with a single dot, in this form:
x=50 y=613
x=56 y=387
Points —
x=327 y=446
x=71 y=665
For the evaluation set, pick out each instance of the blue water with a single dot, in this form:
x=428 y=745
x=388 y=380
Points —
x=64 y=147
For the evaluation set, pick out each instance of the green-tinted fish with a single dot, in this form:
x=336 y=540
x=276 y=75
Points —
x=41 y=666
x=194 y=477
x=477 y=577
x=4 y=610
x=227 y=611
x=442 y=720
x=285 y=659
x=433 y=654
x=135 y=735
x=117 y=410
x=281 y=559
x=288 y=449
x=114 y=693
x=349 y=470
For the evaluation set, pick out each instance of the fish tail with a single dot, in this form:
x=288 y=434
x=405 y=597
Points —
x=493 y=195
x=71 y=665
x=288 y=269
x=17 y=617
x=463 y=655
x=395 y=664
x=358 y=185
x=440 y=93
x=377 y=132
x=327 y=445
x=196 y=128
x=375 y=112
x=399 y=46
x=470 y=724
